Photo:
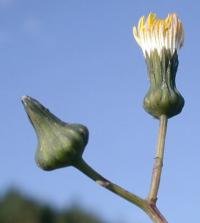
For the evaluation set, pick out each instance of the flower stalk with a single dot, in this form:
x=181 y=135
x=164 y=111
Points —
x=158 y=164
x=102 y=181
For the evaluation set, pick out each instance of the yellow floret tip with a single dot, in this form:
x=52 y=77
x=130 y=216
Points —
x=154 y=33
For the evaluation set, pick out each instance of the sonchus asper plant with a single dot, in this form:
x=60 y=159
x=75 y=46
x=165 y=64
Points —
x=62 y=144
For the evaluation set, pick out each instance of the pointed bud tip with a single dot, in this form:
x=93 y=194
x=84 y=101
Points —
x=31 y=104
x=23 y=99
x=27 y=100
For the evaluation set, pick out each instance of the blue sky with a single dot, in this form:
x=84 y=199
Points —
x=80 y=60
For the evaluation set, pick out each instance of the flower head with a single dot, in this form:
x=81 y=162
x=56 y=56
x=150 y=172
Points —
x=60 y=144
x=160 y=40
x=157 y=34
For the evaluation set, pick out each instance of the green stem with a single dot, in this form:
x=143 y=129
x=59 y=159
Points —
x=91 y=173
x=158 y=164
x=148 y=208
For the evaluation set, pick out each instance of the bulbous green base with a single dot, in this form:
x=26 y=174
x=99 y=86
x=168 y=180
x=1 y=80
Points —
x=163 y=98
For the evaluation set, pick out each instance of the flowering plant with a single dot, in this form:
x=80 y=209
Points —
x=62 y=144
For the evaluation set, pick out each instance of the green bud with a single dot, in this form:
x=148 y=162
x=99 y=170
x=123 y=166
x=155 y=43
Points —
x=163 y=98
x=59 y=144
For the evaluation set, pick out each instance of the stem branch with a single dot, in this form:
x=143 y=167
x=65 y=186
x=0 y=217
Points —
x=149 y=205
x=91 y=173
x=150 y=209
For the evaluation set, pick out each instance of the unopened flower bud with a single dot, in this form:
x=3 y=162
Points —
x=59 y=144
x=160 y=40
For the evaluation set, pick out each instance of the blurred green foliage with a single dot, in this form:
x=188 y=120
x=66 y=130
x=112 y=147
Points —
x=17 y=208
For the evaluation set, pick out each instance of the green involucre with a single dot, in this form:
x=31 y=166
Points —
x=163 y=98
x=59 y=144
